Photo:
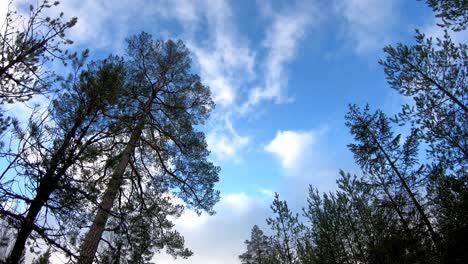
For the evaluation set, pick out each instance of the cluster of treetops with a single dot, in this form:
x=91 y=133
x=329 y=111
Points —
x=410 y=204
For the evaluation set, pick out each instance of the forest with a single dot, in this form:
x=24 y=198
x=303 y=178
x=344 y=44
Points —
x=100 y=173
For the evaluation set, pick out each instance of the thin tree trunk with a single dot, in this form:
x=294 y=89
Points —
x=26 y=226
x=423 y=215
x=399 y=212
x=47 y=185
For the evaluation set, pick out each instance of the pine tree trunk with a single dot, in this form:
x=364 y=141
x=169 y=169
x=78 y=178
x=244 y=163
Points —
x=93 y=237
x=47 y=185
x=27 y=225
x=435 y=238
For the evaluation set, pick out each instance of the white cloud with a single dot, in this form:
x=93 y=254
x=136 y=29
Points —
x=222 y=54
x=281 y=40
x=239 y=202
x=219 y=238
x=186 y=11
x=3 y=11
x=105 y=24
x=291 y=147
x=299 y=152
x=367 y=23
x=225 y=57
x=266 y=192
x=224 y=142
x=190 y=220
x=208 y=28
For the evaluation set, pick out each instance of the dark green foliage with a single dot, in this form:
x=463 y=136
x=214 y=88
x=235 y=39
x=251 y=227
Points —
x=453 y=13
x=260 y=249
x=27 y=43
x=122 y=135
x=434 y=76
x=159 y=151
x=142 y=229
x=286 y=231
x=404 y=208
x=52 y=148
x=449 y=199
x=393 y=170
x=180 y=104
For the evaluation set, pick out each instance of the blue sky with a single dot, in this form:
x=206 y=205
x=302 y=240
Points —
x=282 y=74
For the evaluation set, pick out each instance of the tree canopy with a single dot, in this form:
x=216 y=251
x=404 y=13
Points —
x=406 y=207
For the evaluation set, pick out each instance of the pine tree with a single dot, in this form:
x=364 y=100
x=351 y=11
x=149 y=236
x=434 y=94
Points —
x=287 y=231
x=259 y=249
x=453 y=13
x=141 y=228
x=161 y=146
x=26 y=44
x=394 y=169
x=433 y=74
x=404 y=209
x=51 y=147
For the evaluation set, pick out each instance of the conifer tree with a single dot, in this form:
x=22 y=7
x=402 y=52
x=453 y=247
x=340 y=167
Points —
x=27 y=42
x=161 y=147
x=405 y=208
x=70 y=134
x=259 y=249
x=393 y=168
x=453 y=13
x=287 y=231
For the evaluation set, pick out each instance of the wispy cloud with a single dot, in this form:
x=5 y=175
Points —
x=223 y=55
x=367 y=23
x=281 y=42
x=225 y=143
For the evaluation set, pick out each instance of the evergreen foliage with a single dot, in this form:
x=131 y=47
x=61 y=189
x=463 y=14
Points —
x=406 y=207
x=160 y=153
x=259 y=249
x=27 y=43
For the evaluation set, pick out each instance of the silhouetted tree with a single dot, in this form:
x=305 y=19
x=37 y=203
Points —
x=259 y=249
x=27 y=42
x=161 y=147
x=405 y=208
x=453 y=13
x=286 y=231
x=71 y=133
